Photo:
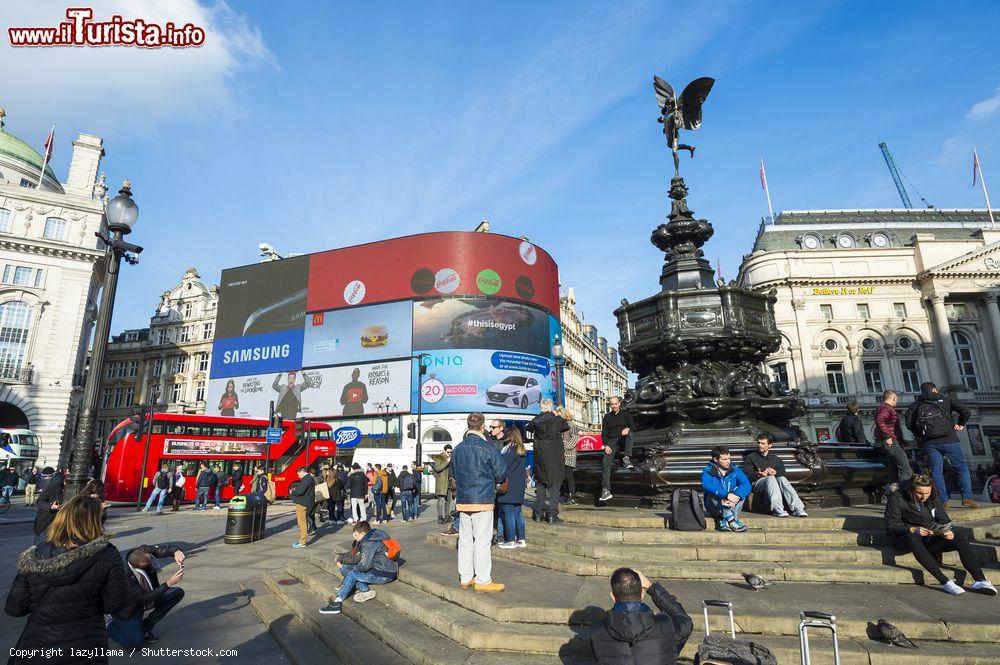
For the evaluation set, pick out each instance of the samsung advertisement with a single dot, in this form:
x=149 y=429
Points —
x=335 y=335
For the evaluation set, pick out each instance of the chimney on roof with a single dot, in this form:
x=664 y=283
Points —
x=83 y=165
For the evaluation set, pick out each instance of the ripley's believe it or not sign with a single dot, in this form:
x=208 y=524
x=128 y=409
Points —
x=334 y=334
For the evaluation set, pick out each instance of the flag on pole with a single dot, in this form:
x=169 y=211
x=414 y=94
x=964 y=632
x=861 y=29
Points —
x=763 y=185
x=975 y=165
x=48 y=154
x=48 y=145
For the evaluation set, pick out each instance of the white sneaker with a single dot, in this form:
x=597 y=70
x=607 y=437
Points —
x=606 y=496
x=800 y=513
x=364 y=596
x=952 y=588
x=508 y=546
x=521 y=543
x=985 y=587
x=217 y=508
x=780 y=512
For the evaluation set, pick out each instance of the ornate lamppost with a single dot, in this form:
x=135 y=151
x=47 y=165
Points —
x=120 y=215
x=559 y=360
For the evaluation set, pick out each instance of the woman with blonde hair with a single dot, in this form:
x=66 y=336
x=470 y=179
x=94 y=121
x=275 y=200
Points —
x=67 y=584
x=512 y=500
x=570 y=439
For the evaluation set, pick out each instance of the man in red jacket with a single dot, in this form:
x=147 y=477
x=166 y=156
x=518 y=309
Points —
x=889 y=436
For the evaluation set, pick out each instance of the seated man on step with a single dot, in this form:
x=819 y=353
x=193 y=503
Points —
x=367 y=563
x=726 y=487
x=770 y=485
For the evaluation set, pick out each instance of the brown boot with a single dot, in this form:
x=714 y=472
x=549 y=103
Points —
x=969 y=503
x=945 y=505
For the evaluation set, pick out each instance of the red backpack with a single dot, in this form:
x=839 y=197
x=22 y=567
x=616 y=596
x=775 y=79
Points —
x=392 y=547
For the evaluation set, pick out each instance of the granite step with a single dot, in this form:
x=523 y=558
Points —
x=645 y=536
x=773 y=612
x=846 y=573
x=428 y=630
x=346 y=640
x=299 y=644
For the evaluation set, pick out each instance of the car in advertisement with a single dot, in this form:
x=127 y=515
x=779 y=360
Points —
x=515 y=391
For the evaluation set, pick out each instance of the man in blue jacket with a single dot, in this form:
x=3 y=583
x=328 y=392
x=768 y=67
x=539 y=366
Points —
x=367 y=563
x=477 y=468
x=726 y=487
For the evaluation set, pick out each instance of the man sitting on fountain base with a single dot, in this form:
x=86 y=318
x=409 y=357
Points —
x=726 y=487
x=767 y=473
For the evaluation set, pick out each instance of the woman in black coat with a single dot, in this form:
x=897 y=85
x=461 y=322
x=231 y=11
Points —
x=916 y=520
x=550 y=469
x=67 y=584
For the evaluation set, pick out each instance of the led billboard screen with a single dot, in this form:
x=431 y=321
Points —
x=358 y=334
x=332 y=335
x=484 y=380
x=451 y=323
x=433 y=264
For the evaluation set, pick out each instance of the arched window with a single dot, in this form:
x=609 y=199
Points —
x=15 y=322
x=437 y=435
x=966 y=360
x=55 y=229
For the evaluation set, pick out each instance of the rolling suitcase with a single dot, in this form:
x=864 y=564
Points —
x=726 y=648
x=822 y=620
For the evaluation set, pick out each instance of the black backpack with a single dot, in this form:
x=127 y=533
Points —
x=687 y=512
x=932 y=421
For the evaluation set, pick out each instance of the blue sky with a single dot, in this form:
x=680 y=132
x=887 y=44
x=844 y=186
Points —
x=317 y=125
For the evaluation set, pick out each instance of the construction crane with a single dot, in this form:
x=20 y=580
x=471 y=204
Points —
x=897 y=177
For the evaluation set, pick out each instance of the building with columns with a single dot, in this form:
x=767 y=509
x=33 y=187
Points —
x=52 y=267
x=592 y=373
x=165 y=364
x=869 y=300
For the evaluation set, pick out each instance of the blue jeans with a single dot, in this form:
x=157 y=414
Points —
x=953 y=451
x=380 y=513
x=714 y=507
x=162 y=493
x=201 y=497
x=355 y=578
x=131 y=632
x=513 y=521
x=8 y=490
x=218 y=494
x=409 y=506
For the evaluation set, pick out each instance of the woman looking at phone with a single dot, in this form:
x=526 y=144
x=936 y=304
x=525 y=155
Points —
x=916 y=520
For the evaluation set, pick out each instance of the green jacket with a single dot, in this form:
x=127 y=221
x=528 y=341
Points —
x=442 y=467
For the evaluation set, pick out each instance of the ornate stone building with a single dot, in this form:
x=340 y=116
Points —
x=592 y=372
x=165 y=364
x=51 y=273
x=875 y=299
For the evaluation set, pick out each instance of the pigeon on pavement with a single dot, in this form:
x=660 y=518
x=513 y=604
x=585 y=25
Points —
x=893 y=635
x=756 y=582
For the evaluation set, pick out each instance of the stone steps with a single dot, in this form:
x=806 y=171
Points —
x=806 y=547
x=430 y=630
x=841 y=573
x=426 y=630
x=299 y=644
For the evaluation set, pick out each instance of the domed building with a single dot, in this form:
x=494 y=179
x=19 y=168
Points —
x=50 y=273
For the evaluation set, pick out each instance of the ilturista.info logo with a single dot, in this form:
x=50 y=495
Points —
x=81 y=30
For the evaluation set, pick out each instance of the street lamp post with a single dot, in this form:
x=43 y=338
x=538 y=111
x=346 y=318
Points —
x=560 y=362
x=120 y=215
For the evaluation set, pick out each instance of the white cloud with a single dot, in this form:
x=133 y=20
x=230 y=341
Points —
x=986 y=108
x=126 y=89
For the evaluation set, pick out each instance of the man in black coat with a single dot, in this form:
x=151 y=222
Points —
x=631 y=633
x=48 y=500
x=616 y=433
x=550 y=470
x=851 y=429
x=930 y=420
x=133 y=627
x=303 y=495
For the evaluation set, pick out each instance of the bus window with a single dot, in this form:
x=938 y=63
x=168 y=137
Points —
x=217 y=431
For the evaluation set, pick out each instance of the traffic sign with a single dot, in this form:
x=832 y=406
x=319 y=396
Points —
x=274 y=435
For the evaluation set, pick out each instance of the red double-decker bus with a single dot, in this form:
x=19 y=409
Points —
x=185 y=441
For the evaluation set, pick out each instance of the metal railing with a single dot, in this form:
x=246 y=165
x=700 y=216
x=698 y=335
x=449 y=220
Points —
x=12 y=374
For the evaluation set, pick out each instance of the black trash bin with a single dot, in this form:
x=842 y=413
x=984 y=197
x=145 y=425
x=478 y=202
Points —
x=245 y=521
